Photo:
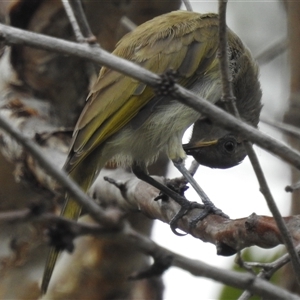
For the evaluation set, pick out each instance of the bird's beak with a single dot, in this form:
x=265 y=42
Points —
x=202 y=144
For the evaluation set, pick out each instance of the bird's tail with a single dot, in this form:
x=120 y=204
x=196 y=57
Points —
x=84 y=175
x=72 y=211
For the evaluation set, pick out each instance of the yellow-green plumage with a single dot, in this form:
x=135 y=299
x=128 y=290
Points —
x=123 y=120
x=178 y=41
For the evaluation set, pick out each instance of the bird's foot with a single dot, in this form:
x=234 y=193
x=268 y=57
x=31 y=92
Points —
x=209 y=208
x=186 y=206
x=164 y=195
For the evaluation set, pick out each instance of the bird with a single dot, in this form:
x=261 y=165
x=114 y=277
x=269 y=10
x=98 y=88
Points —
x=127 y=122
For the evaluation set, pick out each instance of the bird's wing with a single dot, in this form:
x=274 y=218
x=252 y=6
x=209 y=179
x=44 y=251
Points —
x=185 y=42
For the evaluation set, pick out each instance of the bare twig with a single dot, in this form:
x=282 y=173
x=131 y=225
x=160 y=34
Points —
x=82 y=22
x=286 y=128
x=69 y=11
x=79 y=22
x=16 y=216
x=268 y=270
x=188 y=5
x=127 y=23
x=292 y=131
x=272 y=267
x=264 y=188
x=77 y=229
x=217 y=115
x=272 y=51
x=291 y=188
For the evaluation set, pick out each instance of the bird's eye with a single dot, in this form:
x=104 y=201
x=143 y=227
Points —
x=229 y=146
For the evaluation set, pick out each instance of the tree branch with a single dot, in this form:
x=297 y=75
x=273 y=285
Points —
x=147 y=246
x=198 y=268
x=228 y=235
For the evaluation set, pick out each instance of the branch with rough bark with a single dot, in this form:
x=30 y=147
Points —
x=259 y=230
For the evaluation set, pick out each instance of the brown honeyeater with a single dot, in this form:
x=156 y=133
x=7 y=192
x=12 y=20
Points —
x=126 y=122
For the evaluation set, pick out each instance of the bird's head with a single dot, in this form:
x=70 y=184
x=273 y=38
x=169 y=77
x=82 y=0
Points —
x=214 y=146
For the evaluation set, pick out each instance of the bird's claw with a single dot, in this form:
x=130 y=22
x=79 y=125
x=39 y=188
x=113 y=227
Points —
x=208 y=209
x=185 y=208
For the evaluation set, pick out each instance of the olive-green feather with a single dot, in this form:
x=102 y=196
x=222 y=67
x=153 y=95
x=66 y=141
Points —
x=183 y=41
x=179 y=44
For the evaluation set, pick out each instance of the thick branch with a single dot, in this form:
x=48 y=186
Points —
x=147 y=246
x=229 y=236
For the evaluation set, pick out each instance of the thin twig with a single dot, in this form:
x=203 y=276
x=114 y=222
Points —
x=16 y=216
x=272 y=51
x=265 y=190
x=229 y=98
x=293 y=187
x=127 y=23
x=83 y=22
x=268 y=270
x=286 y=128
x=272 y=267
x=292 y=131
x=80 y=25
x=216 y=114
x=69 y=11
x=188 y=5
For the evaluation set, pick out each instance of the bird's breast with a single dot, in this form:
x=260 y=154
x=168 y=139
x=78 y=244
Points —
x=159 y=127
x=143 y=144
